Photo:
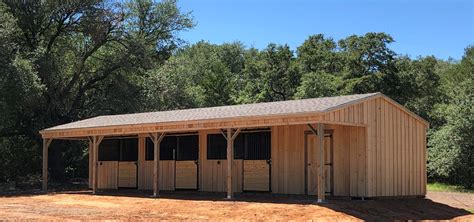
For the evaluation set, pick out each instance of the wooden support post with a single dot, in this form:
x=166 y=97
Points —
x=95 y=140
x=94 y=166
x=156 y=138
x=91 y=161
x=321 y=164
x=141 y=161
x=46 y=143
x=230 y=193
x=230 y=137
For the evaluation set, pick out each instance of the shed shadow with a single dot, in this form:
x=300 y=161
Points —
x=400 y=209
x=369 y=210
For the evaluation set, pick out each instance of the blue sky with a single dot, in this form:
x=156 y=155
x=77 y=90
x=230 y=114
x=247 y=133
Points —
x=439 y=28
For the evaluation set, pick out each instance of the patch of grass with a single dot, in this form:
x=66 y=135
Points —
x=444 y=187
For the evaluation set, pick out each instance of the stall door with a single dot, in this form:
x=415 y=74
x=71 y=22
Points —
x=127 y=174
x=107 y=174
x=256 y=160
x=186 y=172
x=127 y=166
x=109 y=152
x=118 y=163
x=312 y=160
x=256 y=175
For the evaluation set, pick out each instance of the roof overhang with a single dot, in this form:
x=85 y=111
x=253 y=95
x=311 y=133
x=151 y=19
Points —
x=249 y=122
x=220 y=123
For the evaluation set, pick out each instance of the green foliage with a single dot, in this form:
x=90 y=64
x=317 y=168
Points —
x=197 y=76
x=451 y=147
x=268 y=75
x=65 y=61
x=318 y=84
x=279 y=73
x=420 y=84
x=318 y=53
x=368 y=54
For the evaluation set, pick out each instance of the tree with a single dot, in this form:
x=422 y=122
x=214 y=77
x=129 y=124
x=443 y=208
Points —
x=368 y=54
x=272 y=74
x=167 y=87
x=76 y=59
x=205 y=74
x=420 y=82
x=252 y=89
x=318 y=84
x=280 y=73
x=451 y=147
x=369 y=64
x=318 y=53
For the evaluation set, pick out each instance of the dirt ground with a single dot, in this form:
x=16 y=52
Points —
x=457 y=200
x=81 y=205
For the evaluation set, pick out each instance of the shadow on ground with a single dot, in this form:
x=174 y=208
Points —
x=381 y=209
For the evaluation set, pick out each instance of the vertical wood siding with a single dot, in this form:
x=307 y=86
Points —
x=396 y=151
x=288 y=160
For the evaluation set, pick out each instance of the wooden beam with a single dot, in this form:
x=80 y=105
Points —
x=230 y=144
x=46 y=143
x=314 y=131
x=230 y=137
x=156 y=138
x=250 y=122
x=141 y=161
x=91 y=162
x=95 y=140
x=319 y=132
x=320 y=179
x=156 y=164
x=152 y=136
x=224 y=134
x=92 y=141
x=236 y=133
x=99 y=139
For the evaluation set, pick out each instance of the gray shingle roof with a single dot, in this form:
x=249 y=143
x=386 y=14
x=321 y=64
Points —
x=290 y=107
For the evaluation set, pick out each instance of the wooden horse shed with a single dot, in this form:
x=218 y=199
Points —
x=364 y=145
